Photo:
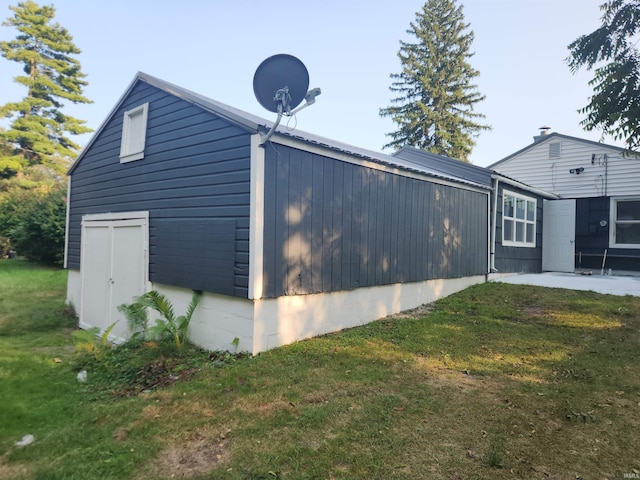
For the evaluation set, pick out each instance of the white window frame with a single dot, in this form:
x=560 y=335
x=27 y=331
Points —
x=128 y=152
x=613 y=222
x=524 y=221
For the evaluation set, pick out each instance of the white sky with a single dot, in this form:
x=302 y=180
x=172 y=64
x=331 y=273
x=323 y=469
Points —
x=349 y=48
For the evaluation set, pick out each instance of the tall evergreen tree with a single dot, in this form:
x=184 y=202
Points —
x=38 y=133
x=434 y=106
x=615 y=105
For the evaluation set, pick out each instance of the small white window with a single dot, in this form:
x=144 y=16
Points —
x=134 y=133
x=518 y=220
x=625 y=222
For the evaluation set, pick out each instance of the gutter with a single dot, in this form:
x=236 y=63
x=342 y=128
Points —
x=524 y=186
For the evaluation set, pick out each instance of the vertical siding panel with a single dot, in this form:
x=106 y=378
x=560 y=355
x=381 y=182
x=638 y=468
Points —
x=380 y=228
x=415 y=258
x=457 y=233
x=423 y=239
x=366 y=242
x=337 y=226
x=356 y=229
x=327 y=222
x=293 y=215
x=269 y=240
x=395 y=227
x=437 y=246
x=428 y=238
x=306 y=222
x=372 y=233
x=347 y=223
x=469 y=244
x=404 y=239
x=386 y=229
x=317 y=224
x=281 y=226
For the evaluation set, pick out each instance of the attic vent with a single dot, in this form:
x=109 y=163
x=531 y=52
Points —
x=554 y=150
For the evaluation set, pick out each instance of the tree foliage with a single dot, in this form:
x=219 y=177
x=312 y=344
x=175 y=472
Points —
x=434 y=106
x=615 y=105
x=39 y=131
x=33 y=217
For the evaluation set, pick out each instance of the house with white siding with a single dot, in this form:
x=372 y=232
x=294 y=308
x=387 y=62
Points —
x=595 y=223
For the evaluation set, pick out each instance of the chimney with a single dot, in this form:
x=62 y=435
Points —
x=544 y=131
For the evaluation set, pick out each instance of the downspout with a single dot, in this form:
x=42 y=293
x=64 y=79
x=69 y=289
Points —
x=66 y=223
x=606 y=172
x=494 y=213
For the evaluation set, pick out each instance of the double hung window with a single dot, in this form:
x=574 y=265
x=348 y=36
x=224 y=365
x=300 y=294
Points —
x=518 y=220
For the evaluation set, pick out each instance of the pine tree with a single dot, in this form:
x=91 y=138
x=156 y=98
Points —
x=615 y=105
x=38 y=133
x=434 y=107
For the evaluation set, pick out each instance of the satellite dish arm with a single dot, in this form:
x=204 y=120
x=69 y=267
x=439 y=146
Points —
x=265 y=138
x=309 y=99
x=282 y=97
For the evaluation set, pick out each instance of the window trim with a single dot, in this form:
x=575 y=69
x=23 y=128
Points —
x=514 y=242
x=127 y=153
x=613 y=221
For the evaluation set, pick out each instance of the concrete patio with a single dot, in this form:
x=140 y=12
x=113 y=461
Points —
x=609 y=284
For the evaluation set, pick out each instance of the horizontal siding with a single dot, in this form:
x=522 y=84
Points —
x=620 y=176
x=194 y=180
x=331 y=226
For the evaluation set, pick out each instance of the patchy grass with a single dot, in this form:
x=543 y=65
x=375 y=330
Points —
x=499 y=381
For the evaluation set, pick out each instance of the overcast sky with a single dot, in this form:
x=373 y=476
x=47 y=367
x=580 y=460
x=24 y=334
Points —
x=349 y=48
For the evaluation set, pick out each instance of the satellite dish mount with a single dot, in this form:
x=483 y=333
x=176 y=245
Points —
x=280 y=84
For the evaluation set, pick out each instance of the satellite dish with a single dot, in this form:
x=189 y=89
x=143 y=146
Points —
x=280 y=81
x=280 y=84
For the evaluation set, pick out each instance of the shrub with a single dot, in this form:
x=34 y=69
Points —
x=34 y=221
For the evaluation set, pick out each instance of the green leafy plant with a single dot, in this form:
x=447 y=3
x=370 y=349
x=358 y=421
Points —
x=137 y=318
x=168 y=325
x=93 y=342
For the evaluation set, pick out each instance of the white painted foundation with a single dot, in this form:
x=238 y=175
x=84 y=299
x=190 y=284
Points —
x=264 y=324
x=74 y=289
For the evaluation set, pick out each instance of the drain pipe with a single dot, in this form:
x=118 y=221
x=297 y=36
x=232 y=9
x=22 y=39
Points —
x=492 y=253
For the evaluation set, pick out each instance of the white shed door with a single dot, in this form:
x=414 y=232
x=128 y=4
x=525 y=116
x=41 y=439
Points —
x=113 y=270
x=559 y=235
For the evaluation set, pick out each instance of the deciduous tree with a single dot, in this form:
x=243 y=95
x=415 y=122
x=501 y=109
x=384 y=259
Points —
x=611 y=51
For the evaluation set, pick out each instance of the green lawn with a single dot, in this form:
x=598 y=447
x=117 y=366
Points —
x=496 y=382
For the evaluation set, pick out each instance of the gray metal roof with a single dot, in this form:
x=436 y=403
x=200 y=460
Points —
x=446 y=165
x=257 y=124
x=459 y=169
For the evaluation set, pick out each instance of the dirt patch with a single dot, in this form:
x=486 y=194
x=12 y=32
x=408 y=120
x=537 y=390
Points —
x=15 y=471
x=533 y=311
x=421 y=311
x=191 y=457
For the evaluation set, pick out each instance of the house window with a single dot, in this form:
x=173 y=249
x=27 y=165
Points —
x=625 y=221
x=518 y=220
x=134 y=132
